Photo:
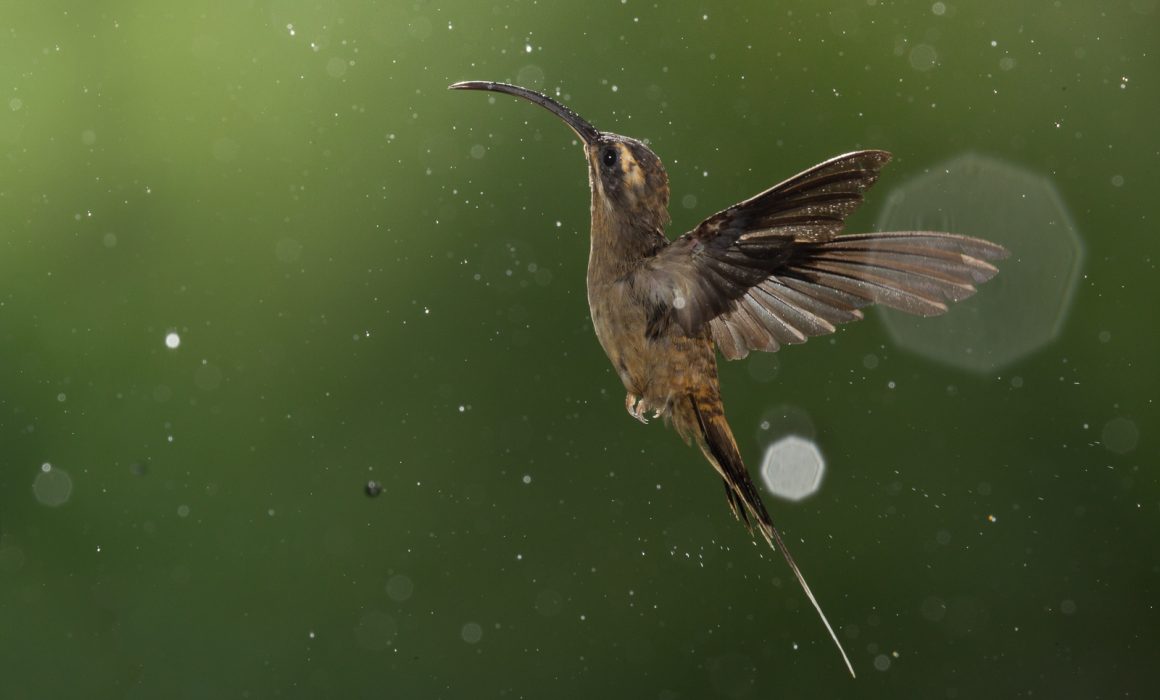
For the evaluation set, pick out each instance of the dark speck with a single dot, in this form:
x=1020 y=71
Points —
x=373 y=488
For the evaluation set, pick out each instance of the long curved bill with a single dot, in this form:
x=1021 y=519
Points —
x=587 y=133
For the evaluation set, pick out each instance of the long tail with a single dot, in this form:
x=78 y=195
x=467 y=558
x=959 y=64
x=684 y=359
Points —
x=717 y=443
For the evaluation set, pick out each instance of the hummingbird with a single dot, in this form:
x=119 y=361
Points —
x=772 y=270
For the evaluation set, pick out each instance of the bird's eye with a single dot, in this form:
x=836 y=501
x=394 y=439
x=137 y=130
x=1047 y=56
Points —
x=609 y=157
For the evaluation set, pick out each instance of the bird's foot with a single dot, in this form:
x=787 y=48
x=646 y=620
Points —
x=636 y=407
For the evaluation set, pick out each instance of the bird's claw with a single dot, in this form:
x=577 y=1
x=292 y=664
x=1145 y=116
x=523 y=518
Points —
x=636 y=408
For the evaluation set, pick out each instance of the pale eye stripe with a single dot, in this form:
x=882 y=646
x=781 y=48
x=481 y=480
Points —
x=633 y=173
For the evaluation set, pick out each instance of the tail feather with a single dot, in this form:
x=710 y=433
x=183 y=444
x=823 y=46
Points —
x=719 y=447
x=736 y=504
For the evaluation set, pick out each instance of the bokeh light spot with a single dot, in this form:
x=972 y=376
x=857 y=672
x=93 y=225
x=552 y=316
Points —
x=933 y=608
x=336 y=67
x=792 y=468
x=1120 y=435
x=52 y=486
x=531 y=76
x=784 y=419
x=923 y=57
x=1025 y=306
x=763 y=366
x=400 y=588
x=471 y=633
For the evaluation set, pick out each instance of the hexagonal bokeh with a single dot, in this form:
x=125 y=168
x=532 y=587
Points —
x=52 y=486
x=792 y=468
x=1024 y=307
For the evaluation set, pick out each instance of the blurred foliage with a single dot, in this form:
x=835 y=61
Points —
x=375 y=278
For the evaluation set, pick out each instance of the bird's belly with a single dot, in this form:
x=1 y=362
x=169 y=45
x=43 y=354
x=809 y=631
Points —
x=657 y=368
x=620 y=328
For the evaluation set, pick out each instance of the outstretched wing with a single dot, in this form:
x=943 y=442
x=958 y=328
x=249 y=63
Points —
x=716 y=263
x=772 y=270
x=824 y=284
x=810 y=206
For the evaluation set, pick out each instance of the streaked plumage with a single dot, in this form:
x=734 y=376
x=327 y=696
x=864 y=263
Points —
x=769 y=271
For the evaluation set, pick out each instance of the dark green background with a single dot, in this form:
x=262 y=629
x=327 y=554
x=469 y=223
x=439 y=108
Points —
x=374 y=277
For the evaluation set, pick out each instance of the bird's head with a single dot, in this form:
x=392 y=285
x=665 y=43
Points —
x=627 y=179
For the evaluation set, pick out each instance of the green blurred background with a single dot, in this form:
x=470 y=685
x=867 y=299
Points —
x=372 y=277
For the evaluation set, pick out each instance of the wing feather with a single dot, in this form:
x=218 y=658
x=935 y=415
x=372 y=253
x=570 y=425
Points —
x=773 y=270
